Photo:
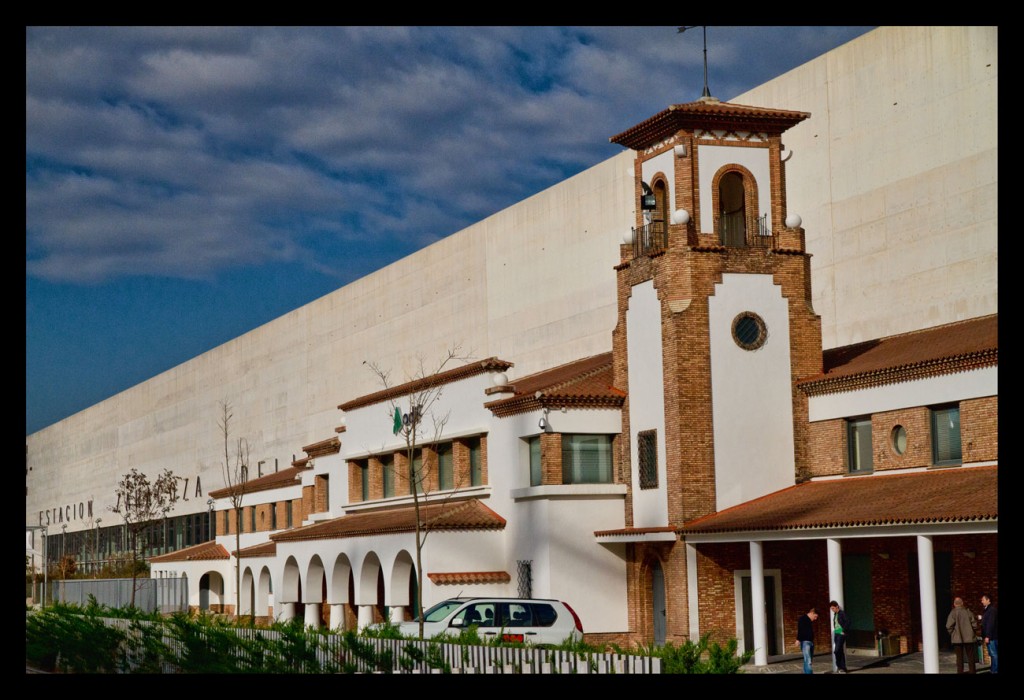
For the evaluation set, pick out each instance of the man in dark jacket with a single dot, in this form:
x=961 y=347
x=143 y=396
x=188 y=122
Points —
x=805 y=636
x=990 y=632
x=840 y=623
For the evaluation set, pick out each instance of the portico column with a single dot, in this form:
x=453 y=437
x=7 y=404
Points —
x=835 y=587
x=397 y=614
x=312 y=617
x=929 y=625
x=287 y=611
x=337 y=616
x=365 y=616
x=757 y=604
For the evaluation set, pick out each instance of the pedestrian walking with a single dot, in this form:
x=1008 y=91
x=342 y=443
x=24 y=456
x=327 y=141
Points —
x=960 y=625
x=805 y=636
x=990 y=632
x=840 y=623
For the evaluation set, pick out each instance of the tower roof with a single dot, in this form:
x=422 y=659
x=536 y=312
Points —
x=707 y=112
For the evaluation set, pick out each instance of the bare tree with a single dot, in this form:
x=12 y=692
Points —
x=139 y=503
x=235 y=470
x=409 y=414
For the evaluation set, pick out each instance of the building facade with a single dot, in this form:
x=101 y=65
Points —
x=639 y=434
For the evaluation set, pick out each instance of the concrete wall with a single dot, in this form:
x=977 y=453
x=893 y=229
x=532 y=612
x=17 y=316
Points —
x=895 y=177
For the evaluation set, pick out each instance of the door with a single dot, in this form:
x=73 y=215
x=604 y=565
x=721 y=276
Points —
x=859 y=602
x=770 y=613
x=204 y=592
x=658 y=603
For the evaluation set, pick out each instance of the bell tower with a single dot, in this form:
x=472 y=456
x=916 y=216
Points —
x=714 y=327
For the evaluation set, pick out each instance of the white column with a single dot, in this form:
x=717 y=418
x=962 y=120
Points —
x=691 y=590
x=397 y=614
x=287 y=611
x=929 y=625
x=312 y=617
x=365 y=616
x=835 y=587
x=757 y=604
x=337 y=617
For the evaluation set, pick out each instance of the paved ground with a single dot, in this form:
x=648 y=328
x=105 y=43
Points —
x=861 y=664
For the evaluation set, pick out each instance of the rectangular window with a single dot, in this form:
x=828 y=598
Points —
x=445 y=470
x=858 y=445
x=946 y=435
x=364 y=479
x=288 y=514
x=387 y=465
x=535 y=470
x=252 y=519
x=416 y=472
x=647 y=458
x=273 y=516
x=586 y=459
x=476 y=469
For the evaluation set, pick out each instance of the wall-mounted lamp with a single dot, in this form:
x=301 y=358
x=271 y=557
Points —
x=969 y=555
x=883 y=555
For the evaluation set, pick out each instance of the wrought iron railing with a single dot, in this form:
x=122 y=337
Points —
x=650 y=238
x=733 y=231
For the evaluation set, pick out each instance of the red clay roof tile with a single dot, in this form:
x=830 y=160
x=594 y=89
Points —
x=953 y=347
x=956 y=494
x=204 y=551
x=452 y=515
x=277 y=480
x=470 y=577
x=585 y=383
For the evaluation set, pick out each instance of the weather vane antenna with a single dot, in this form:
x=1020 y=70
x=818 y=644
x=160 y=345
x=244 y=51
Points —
x=706 y=93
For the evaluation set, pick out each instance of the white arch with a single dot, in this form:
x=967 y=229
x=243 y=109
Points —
x=337 y=588
x=366 y=581
x=247 y=593
x=288 y=591
x=314 y=581
x=396 y=589
x=263 y=593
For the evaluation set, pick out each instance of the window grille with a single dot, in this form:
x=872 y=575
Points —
x=524 y=568
x=647 y=457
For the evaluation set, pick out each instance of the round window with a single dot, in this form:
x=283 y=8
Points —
x=899 y=439
x=749 y=331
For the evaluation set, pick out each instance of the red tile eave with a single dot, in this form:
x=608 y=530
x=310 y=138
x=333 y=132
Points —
x=491 y=364
x=941 y=495
x=635 y=531
x=707 y=114
x=330 y=446
x=467 y=577
x=204 y=551
x=286 y=477
x=946 y=349
x=582 y=383
x=264 y=549
x=460 y=515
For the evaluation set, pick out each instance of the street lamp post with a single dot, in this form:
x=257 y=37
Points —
x=96 y=543
x=63 y=571
x=39 y=528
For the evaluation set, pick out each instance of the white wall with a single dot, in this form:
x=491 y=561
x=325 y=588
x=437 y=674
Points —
x=946 y=388
x=751 y=391
x=647 y=399
x=712 y=158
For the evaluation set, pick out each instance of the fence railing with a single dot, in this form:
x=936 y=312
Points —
x=164 y=595
x=332 y=652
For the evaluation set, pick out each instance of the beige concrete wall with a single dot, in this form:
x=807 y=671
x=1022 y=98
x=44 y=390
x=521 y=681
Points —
x=895 y=177
x=533 y=284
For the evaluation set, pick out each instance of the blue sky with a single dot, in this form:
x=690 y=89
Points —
x=186 y=185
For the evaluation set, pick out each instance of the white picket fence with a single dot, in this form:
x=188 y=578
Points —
x=332 y=652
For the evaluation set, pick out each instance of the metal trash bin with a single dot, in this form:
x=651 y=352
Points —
x=889 y=645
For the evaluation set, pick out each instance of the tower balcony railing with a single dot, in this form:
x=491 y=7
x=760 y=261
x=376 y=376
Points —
x=734 y=232
x=650 y=238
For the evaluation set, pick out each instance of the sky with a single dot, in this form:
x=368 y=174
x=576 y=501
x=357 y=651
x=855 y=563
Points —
x=184 y=185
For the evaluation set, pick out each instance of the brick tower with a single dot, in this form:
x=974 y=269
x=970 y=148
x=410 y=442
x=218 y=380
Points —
x=715 y=325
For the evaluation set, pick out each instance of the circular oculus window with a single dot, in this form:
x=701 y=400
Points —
x=898 y=438
x=749 y=331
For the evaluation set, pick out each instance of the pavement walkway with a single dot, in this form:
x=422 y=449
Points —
x=912 y=663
